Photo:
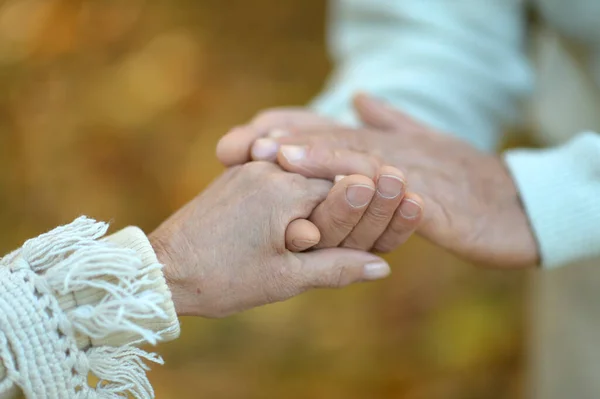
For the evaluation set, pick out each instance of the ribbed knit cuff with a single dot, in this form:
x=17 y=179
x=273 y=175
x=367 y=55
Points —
x=560 y=189
x=166 y=327
x=134 y=238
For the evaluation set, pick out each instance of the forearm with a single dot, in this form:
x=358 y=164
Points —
x=457 y=66
x=560 y=190
x=74 y=304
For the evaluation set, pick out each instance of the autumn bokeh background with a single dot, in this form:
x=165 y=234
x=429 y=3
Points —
x=113 y=109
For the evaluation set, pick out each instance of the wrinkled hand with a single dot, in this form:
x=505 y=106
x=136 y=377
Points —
x=225 y=252
x=367 y=214
x=472 y=204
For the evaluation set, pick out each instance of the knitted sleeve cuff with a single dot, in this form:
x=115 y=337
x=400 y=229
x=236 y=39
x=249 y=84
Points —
x=76 y=305
x=560 y=189
x=162 y=325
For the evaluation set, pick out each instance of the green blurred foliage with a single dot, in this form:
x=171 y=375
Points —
x=113 y=109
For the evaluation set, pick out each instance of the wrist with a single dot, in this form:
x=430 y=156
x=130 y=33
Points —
x=518 y=222
x=173 y=277
x=559 y=191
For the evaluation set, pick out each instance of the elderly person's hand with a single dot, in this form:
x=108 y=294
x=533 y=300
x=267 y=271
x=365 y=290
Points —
x=380 y=222
x=225 y=251
x=472 y=205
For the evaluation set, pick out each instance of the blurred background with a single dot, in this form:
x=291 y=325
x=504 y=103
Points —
x=113 y=109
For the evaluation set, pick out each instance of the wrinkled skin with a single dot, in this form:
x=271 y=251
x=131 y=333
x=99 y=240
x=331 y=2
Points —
x=382 y=224
x=225 y=251
x=472 y=206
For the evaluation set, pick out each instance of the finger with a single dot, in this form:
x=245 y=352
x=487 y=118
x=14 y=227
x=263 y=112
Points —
x=403 y=225
x=295 y=194
x=236 y=146
x=301 y=235
x=313 y=135
x=339 y=267
x=343 y=208
x=378 y=114
x=304 y=195
x=326 y=163
x=265 y=149
x=390 y=191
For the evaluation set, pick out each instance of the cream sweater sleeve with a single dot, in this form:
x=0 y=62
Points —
x=560 y=189
x=73 y=304
x=459 y=66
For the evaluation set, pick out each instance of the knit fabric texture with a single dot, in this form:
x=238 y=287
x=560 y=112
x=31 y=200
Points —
x=74 y=306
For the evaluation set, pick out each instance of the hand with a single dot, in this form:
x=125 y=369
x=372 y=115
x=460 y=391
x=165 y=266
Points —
x=473 y=207
x=224 y=252
x=379 y=215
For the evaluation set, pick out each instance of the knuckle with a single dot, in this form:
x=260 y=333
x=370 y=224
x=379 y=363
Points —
x=398 y=232
x=341 y=275
x=295 y=180
x=292 y=185
x=342 y=221
x=379 y=213
x=398 y=226
x=339 y=281
x=287 y=186
x=279 y=182
x=256 y=169
x=333 y=278
x=321 y=157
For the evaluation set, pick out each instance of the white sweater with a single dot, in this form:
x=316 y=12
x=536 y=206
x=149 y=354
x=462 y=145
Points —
x=73 y=304
x=462 y=66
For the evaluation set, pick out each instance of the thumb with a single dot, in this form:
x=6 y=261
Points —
x=301 y=235
x=378 y=114
x=339 y=267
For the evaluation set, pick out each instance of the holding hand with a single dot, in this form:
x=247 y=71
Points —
x=376 y=213
x=225 y=251
x=473 y=207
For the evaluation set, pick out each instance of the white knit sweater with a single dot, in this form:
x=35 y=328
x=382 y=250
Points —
x=73 y=305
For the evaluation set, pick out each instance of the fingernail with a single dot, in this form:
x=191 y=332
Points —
x=293 y=153
x=338 y=178
x=389 y=186
x=359 y=195
x=376 y=270
x=410 y=209
x=264 y=149
x=276 y=133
